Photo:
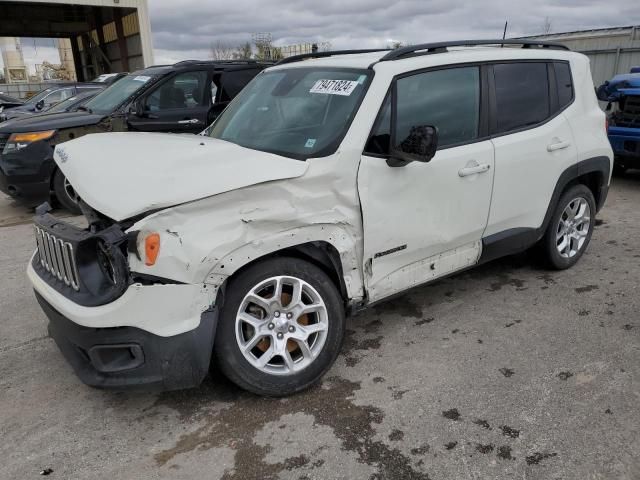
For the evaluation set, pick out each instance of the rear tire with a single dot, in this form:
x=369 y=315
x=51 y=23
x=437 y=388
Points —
x=65 y=194
x=570 y=229
x=281 y=327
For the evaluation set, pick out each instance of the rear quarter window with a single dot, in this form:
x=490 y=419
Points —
x=564 y=84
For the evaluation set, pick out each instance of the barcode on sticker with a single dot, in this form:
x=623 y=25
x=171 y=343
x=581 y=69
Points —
x=334 y=87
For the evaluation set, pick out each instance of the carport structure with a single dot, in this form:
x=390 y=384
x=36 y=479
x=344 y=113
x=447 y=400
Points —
x=107 y=36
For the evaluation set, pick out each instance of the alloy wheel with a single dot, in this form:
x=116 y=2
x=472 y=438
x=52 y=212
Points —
x=281 y=325
x=71 y=192
x=573 y=227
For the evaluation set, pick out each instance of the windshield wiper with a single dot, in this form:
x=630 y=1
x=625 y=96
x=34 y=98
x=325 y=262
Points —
x=86 y=109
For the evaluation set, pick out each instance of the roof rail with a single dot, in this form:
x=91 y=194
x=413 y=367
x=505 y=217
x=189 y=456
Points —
x=223 y=62
x=441 y=47
x=304 y=56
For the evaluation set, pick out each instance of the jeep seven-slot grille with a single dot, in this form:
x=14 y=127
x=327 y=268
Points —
x=57 y=258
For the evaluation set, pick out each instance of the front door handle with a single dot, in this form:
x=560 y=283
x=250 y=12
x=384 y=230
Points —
x=474 y=168
x=189 y=121
x=558 y=145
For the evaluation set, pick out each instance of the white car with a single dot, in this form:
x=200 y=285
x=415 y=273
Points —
x=327 y=185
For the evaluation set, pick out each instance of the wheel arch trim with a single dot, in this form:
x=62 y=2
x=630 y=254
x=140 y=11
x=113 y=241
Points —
x=515 y=240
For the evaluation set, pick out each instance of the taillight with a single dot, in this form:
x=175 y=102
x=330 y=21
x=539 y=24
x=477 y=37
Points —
x=606 y=124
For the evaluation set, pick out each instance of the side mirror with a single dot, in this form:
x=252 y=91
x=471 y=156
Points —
x=419 y=146
x=40 y=105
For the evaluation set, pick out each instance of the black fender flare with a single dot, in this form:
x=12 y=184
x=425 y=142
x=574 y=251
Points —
x=516 y=240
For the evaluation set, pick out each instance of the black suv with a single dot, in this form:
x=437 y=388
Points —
x=181 y=98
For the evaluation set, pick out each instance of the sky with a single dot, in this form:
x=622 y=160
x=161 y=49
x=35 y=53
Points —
x=187 y=32
x=186 y=29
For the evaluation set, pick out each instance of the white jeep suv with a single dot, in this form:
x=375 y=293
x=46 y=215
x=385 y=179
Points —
x=328 y=184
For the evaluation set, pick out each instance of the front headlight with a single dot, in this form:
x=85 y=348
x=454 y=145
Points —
x=18 y=141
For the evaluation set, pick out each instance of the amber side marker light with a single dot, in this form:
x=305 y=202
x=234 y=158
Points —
x=31 y=136
x=151 y=248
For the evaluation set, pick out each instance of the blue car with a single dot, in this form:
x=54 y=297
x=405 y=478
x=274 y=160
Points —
x=623 y=94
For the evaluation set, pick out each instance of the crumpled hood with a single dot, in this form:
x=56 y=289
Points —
x=124 y=174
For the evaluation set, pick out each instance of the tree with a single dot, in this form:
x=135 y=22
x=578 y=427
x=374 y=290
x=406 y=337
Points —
x=394 y=44
x=546 y=26
x=244 y=51
x=222 y=51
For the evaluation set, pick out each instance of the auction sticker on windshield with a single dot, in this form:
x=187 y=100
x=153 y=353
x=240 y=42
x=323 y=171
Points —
x=334 y=87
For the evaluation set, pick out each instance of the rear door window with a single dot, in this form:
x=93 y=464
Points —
x=522 y=95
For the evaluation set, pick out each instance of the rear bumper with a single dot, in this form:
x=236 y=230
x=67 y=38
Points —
x=128 y=357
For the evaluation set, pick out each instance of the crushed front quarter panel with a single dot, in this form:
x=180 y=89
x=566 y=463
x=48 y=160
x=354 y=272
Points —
x=210 y=239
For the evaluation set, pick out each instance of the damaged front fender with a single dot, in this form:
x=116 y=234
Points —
x=210 y=239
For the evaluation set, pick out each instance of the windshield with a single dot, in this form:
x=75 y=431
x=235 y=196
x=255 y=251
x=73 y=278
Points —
x=111 y=98
x=71 y=102
x=297 y=112
x=39 y=96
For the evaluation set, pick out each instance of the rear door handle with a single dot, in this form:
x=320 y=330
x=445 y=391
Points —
x=552 y=147
x=189 y=121
x=474 y=169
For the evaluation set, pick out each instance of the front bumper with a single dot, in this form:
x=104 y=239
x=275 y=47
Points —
x=128 y=357
x=26 y=175
x=156 y=336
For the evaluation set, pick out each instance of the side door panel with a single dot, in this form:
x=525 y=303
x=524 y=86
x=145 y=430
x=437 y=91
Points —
x=527 y=170
x=180 y=104
x=426 y=220
x=529 y=161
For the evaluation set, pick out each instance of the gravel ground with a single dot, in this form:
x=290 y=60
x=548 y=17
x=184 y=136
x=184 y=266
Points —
x=506 y=371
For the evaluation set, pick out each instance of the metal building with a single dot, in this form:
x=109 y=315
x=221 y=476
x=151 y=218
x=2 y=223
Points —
x=611 y=50
x=106 y=36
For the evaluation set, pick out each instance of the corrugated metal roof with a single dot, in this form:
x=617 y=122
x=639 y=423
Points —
x=594 y=32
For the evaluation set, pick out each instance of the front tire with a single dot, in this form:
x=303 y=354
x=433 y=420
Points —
x=570 y=229
x=281 y=327
x=65 y=193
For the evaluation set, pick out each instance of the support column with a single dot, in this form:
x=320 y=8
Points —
x=122 y=41
x=77 y=59
x=102 y=50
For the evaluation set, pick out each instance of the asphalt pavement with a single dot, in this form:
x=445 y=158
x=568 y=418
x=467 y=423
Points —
x=505 y=371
